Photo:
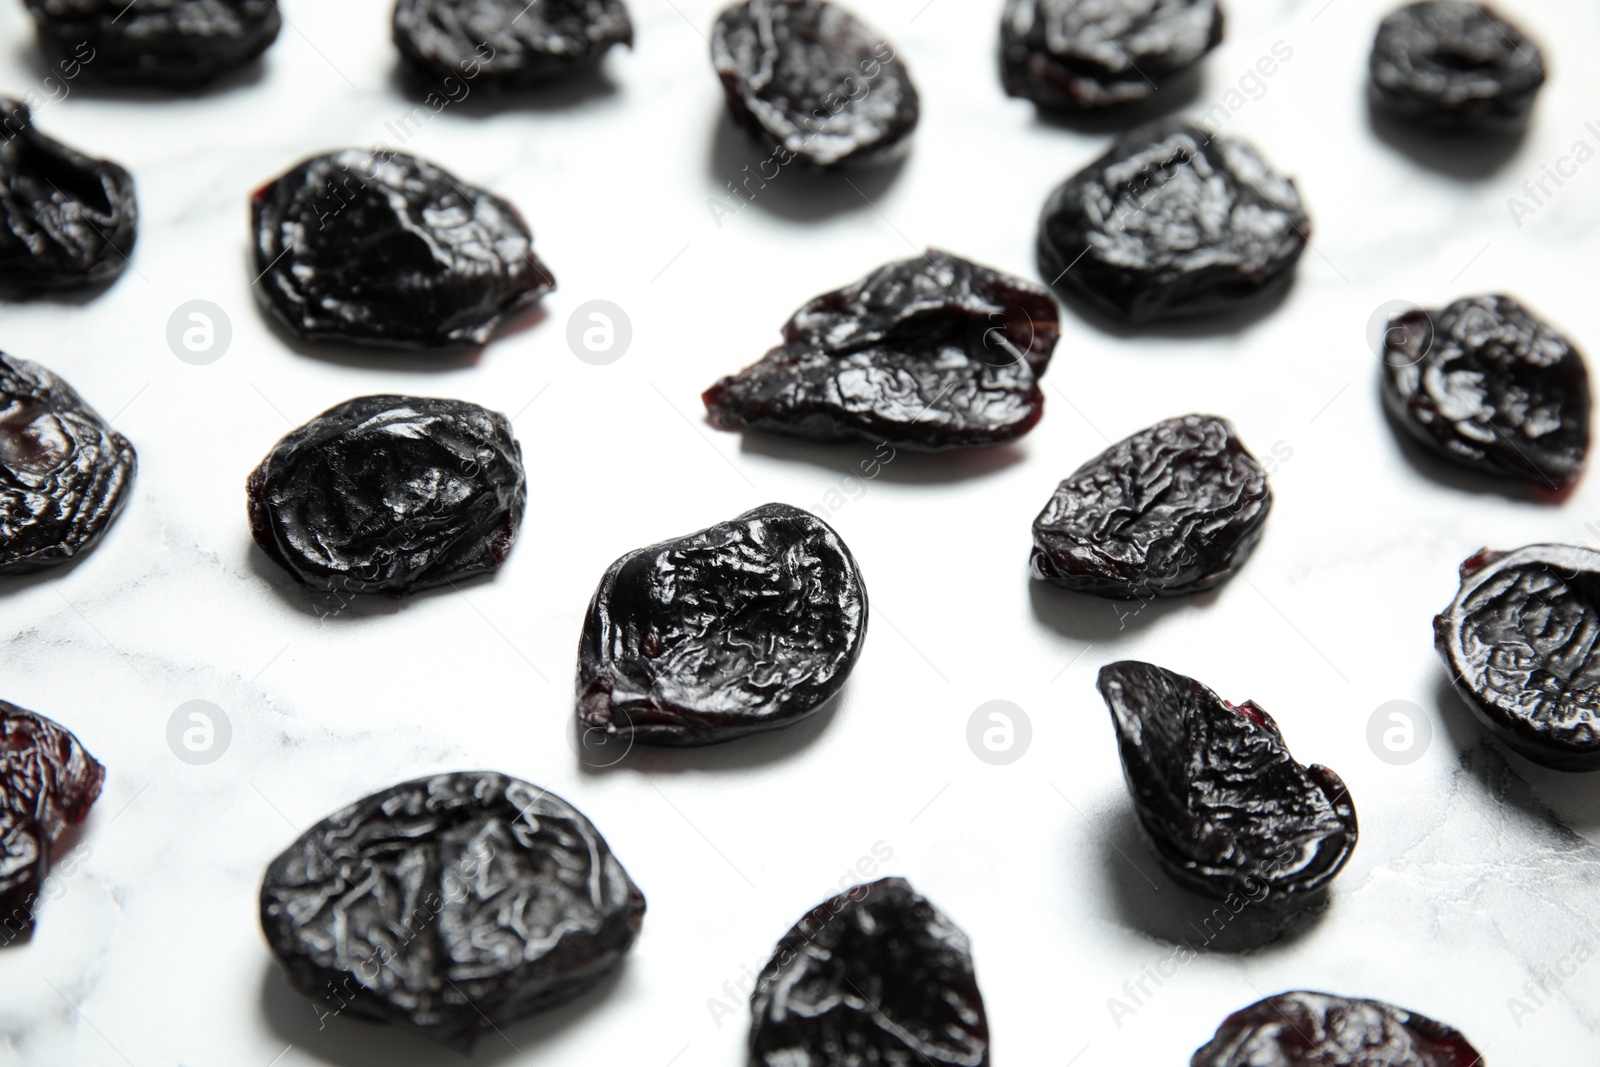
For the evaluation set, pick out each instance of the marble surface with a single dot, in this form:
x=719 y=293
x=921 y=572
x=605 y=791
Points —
x=1476 y=874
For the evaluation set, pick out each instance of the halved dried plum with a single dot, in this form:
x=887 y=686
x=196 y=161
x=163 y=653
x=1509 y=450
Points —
x=875 y=976
x=1300 y=1029
x=1173 y=223
x=1172 y=510
x=390 y=494
x=1227 y=810
x=1486 y=384
x=1456 y=66
x=927 y=354
x=509 y=42
x=381 y=248
x=449 y=905
x=749 y=625
x=809 y=79
x=176 y=44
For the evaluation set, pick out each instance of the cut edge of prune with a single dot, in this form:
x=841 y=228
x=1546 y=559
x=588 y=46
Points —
x=1266 y=1027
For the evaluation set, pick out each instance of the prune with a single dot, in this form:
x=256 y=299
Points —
x=874 y=977
x=1519 y=643
x=1455 y=66
x=813 y=82
x=927 y=354
x=449 y=905
x=174 y=44
x=508 y=43
x=69 y=220
x=1087 y=55
x=390 y=494
x=1301 y=1029
x=1172 y=510
x=47 y=784
x=1486 y=384
x=749 y=625
x=1173 y=223
x=1227 y=810
x=384 y=249
x=64 y=472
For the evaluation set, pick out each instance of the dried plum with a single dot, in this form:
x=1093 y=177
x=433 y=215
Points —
x=927 y=354
x=64 y=472
x=1486 y=384
x=1172 y=510
x=1086 y=55
x=813 y=82
x=1455 y=66
x=450 y=905
x=390 y=494
x=1300 y=1029
x=749 y=625
x=174 y=44
x=1173 y=223
x=509 y=42
x=1227 y=810
x=384 y=249
x=47 y=784
x=874 y=977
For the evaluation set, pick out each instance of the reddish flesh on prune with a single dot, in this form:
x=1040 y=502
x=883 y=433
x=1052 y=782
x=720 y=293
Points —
x=64 y=472
x=1227 y=810
x=1486 y=384
x=508 y=42
x=1173 y=223
x=1086 y=55
x=874 y=977
x=1172 y=510
x=813 y=82
x=390 y=494
x=749 y=625
x=1302 y=1029
x=927 y=354
x=47 y=784
x=450 y=905
x=1455 y=66
x=175 y=44
x=384 y=249
x=1519 y=643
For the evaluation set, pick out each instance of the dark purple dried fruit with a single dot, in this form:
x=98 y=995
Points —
x=450 y=905
x=1322 y=1030
x=812 y=81
x=1455 y=66
x=509 y=43
x=1227 y=810
x=64 y=472
x=1173 y=223
x=1083 y=55
x=175 y=44
x=1486 y=384
x=390 y=494
x=927 y=354
x=384 y=249
x=1172 y=510
x=875 y=977
x=749 y=625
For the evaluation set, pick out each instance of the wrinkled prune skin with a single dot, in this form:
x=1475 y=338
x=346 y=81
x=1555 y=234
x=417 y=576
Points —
x=1089 y=55
x=64 y=472
x=1487 y=385
x=48 y=781
x=1172 y=510
x=172 y=44
x=390 y=494
x=1302 y=1029
x=874 y=977
x=1454 y=66
x=384 y=249
x=1227 y=810
x=1173 y=223
x=450 y=905
x=750 y=625
x=926 y=354
x=509 y=43
x=811 y=81
x=1519 y=643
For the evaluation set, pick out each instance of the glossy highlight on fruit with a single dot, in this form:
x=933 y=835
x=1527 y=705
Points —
x=1302 y=1029
x=1456 y=66
x=173 y=44
x=508 y=43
